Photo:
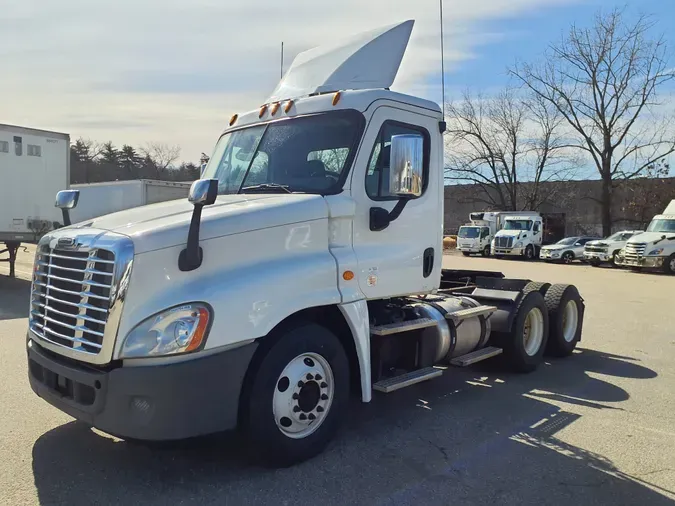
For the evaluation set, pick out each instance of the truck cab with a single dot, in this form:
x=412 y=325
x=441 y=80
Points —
x=607 y=250
x=306 y=265
x=476 y=236
x=653 y=249
x=521 y=235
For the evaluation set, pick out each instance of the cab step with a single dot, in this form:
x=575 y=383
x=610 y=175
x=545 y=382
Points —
x=471 y=312
x=476 y=356
x=395 y=328
x=407 y=379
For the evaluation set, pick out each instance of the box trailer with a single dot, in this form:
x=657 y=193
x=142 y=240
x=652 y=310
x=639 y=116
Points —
x=34 y=165
x=98 y=199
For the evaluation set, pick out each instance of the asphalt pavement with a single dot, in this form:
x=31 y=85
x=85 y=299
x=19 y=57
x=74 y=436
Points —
x=595 y=428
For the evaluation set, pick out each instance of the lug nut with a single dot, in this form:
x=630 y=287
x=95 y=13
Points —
x=324 y=397
x=318 y=377
x=311 y=416
x=301 y=383
x=296 y=397
x=324 y=384
x=310 y=377
x=296 y=409
x=319 y=409
x=303 y=416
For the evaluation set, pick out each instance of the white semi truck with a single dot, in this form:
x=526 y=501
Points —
x=34 y=165
x=521 y=235
x=477 y=235
x=305 y=266
x=653 y=249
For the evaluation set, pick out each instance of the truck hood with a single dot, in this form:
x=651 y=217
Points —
x=651 y=237
x=510 y=233
x=166 y=224
x=553 y=247
x=598 y=242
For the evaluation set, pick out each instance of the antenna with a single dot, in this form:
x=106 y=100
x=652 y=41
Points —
x=440 y=2
x=282 y=59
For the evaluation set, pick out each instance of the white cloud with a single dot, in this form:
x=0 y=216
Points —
x=145 y=70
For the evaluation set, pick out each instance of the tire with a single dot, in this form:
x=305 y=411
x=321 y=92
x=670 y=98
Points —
x=594 y=263
x=613 y=260
x=567 y=257
x=271 y=441
x=669 y=265
x=486 y=251
x=565 y=321
x=521 y=357
x=536 y=286
x=465 y=253
x=529 y=252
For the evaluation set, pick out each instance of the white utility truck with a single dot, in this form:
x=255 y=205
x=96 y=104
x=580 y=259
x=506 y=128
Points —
x=476 y=236
x=34 y=165
x=521 y=235
x=607 y=249
x=305 y=266
x=655 y=248
x=97 y=199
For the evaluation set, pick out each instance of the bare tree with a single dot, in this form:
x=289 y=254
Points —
x=604 y=81
x=509 y=146
x=162 y=155
x=648 y=195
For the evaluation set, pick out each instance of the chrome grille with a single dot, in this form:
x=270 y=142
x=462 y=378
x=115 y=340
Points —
x=595 y=249
x=71 y=297
x=635 y=251
x=504 y=242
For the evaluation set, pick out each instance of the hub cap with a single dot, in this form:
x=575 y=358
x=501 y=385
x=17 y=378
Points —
x=533 y=331
x=570 y=320
x=303 y=395
x=672 y=265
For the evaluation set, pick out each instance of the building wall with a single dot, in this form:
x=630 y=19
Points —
x=574 y=199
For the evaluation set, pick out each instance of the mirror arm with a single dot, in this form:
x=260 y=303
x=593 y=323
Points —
x=66 y=217
x=380 y=218
x=191 y=257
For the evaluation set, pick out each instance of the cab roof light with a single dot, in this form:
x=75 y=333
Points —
x=233 y=119
x=263 y=108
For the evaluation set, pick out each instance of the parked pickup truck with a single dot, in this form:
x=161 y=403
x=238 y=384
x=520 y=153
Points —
x=606 y=250
x=565 y=250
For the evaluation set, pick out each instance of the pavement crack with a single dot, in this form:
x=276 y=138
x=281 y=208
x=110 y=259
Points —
x=440 y=449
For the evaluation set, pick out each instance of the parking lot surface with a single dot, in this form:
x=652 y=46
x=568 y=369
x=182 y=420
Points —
x=595 y=428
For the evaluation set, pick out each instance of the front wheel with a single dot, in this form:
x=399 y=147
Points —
x=568 y=257
x=297 y=397
x=486 y=251
x=529 y=252
x=613 y=260
x=669 y=264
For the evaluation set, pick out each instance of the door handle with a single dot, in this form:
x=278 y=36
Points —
x=428 y=262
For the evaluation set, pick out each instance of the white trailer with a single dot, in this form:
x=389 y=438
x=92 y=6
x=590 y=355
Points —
x=98 y=199
x=304 y=268
x=34 y=165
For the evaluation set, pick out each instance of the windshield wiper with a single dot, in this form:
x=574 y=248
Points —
x=266 y=187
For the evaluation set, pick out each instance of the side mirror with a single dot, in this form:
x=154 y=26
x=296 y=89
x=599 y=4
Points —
x=406 y=173
x=67 y=200
x=203 y=192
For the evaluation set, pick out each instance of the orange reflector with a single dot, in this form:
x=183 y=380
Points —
x=347 y=275
x=275 y=108
x=336 y=98
x=263 y=108
x=288 y=106
x=200 y=331
x=233 y=119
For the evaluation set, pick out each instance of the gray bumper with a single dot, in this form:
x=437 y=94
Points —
x=158 y=402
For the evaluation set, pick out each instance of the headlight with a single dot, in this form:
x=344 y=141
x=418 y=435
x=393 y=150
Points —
x=181 y=329
x=656 y=251
x=519 y=244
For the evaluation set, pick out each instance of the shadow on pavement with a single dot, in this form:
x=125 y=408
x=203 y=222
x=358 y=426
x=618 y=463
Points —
x=474 y=436
x=14 y=298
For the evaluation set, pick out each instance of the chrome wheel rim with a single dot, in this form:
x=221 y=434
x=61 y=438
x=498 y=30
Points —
x=567 y=258
x=533 y=331
x=570 y=320
x=303 y=395
x=672 y=265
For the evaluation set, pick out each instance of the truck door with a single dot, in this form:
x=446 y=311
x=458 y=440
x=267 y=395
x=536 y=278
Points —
x=405 y=257
x=537 y=232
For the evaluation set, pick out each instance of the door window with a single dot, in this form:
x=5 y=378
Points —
x=377 y=175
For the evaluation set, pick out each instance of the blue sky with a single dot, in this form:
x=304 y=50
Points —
x=134 y=71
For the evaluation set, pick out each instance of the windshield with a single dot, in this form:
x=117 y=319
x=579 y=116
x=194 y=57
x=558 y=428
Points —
x=469 y=232
x=666 y=226
x=518 y=225
x=309 y=154
x=567 y=242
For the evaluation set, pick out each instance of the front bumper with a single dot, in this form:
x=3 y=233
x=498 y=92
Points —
x=508 y=251
x=548 y=256
x=598 y=256
x=642 y=262
x=155 y=402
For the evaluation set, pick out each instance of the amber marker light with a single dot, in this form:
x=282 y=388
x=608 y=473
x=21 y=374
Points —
x=200 y=331
x=288 y=106
x=336 y=98
x=275 y=108
x=233 y=119
x=347 y=275
x=262 y=110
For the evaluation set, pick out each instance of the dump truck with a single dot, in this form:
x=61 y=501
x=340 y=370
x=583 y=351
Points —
x=304 y=267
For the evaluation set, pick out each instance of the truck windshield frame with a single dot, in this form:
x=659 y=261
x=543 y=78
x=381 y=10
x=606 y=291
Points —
x=664 y=225
x=463 y=232
x=313 y=153
x=522 y=225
